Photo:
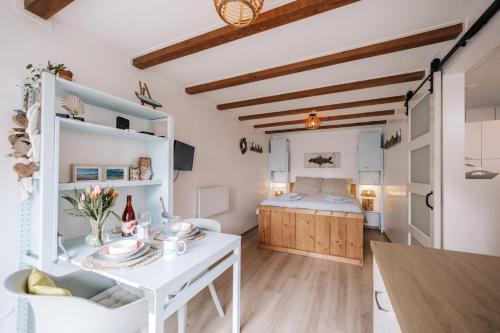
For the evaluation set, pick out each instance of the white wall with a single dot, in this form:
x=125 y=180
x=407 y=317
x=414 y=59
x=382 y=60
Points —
x=396 y=183
x=215 y=134
x=342 y=140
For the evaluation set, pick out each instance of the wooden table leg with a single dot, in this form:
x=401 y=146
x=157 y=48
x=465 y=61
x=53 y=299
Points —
x=181 y=319
x=156 y=308
x=236 y=289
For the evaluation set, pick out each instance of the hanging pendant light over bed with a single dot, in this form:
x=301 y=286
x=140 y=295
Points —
x=313 y=121
x=238 y=13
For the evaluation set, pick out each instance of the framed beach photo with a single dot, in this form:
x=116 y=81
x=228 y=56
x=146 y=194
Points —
x=86 y=173
x=115 y=173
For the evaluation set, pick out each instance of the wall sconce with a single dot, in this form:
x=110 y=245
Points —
x=368 y=203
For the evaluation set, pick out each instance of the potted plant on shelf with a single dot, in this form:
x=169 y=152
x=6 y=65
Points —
x=32 y=83
x=96 y=205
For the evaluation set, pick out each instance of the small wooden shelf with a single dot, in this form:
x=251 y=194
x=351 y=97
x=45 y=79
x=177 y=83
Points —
x=76 y=125
x=106 y=101
x=110 y=183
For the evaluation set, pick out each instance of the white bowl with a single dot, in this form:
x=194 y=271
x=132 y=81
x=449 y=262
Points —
x=182 y=227
x=123 y=246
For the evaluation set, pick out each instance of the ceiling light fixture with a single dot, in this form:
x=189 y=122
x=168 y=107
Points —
x=238 y=13
x=313 y=121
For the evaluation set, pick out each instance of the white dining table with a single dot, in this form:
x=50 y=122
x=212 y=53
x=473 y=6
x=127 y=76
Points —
x=205 y=260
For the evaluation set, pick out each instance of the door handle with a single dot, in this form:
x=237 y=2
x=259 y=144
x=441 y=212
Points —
x=379 y=306
x=427 y=200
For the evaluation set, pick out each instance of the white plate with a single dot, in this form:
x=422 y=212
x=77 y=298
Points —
x=122 y=258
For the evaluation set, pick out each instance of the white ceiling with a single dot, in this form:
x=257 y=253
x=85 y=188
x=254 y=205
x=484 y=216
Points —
x=134 y=28
x=483 y=83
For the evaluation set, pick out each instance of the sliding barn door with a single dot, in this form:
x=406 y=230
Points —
x=424 y=188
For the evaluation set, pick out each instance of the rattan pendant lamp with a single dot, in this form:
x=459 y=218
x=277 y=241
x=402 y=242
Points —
x=238 y=13
x=313 y=121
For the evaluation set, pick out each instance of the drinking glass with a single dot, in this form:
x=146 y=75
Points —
x=145 y=224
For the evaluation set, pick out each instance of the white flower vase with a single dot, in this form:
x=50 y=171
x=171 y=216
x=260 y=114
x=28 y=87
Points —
x=98 y=235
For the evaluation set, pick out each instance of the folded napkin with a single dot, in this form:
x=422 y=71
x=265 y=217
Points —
x=337 y=199
x=289 y=197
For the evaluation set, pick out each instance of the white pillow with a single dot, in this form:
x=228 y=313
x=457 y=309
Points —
x=307 y=185
x=334 y=186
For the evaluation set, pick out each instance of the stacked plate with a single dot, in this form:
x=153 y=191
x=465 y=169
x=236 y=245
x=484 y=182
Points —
x=181 y=231
x=122 y=250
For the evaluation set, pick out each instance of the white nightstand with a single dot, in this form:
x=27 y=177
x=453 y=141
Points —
x=372 y=219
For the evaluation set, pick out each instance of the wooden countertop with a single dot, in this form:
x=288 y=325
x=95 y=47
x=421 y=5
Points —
x=440 y=291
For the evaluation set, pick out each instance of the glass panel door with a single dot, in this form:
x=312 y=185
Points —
x=424 y=177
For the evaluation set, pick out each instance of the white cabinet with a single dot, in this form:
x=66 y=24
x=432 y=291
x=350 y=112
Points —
x=279 y=155
x=370 y=152
x=473 y=141
x=372 y=219
x=491 y=138
x=384 y=317
x=480 y=114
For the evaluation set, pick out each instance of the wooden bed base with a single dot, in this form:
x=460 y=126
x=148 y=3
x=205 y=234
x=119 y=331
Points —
x=315 y=233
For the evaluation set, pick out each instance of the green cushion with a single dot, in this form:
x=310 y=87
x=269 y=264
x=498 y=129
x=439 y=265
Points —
x=40 y=283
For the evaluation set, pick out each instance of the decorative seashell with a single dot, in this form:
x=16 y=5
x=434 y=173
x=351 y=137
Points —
x=13 y=138
x=22 y=147
x=25 y=170
x=73 y=105
x=20 y=120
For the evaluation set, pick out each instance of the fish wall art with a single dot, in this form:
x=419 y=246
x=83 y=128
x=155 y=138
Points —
x=322 y=160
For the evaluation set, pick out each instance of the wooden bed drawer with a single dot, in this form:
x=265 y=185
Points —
x=323 y=234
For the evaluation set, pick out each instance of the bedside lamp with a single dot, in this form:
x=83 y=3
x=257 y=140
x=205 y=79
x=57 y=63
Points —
x=369 y=201
x=278 y=193
x=278 y=189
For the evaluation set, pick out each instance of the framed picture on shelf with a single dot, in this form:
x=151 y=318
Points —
x=85 y=173
x=115 y=173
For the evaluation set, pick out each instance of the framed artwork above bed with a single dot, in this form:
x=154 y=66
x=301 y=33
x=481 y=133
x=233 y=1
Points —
x=322 y=160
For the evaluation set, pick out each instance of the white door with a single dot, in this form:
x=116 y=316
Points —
x=424 y=188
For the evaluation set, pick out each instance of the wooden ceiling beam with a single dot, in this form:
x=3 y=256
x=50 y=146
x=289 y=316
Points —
x=370 y=83
x=302 y=129
x=330 y=118
x=394 y=45
x=328 y=107
x=288 y=13
x=45 y=8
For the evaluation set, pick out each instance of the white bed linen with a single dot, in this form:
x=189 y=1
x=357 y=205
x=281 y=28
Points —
x=317 y=202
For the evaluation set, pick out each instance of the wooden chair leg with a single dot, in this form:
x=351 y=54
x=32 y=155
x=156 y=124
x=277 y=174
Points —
x=215 y=298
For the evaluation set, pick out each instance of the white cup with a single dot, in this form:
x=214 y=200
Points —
x=173 y=247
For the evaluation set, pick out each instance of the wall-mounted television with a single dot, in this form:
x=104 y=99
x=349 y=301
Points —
x=183 y=156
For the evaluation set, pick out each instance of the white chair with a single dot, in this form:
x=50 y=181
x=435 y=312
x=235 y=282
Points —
x=77 y=313
x=209 y=225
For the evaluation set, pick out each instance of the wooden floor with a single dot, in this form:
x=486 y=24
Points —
x=283 y=292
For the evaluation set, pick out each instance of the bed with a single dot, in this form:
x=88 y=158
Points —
x=322 y=220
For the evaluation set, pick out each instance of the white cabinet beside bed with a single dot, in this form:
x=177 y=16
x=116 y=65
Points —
x=370 y=152
x=370 y=174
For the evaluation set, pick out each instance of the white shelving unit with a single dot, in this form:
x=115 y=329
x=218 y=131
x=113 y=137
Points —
x=75 y=125
x=111 y=183
x=42 y=250
x=370 y=173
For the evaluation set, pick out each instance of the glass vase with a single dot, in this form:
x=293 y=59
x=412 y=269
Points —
x=97 y=236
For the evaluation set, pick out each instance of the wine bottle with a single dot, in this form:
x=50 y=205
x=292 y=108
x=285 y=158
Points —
x=128 y=219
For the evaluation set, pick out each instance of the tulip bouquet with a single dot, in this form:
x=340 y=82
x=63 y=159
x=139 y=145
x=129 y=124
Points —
x=96 y=205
